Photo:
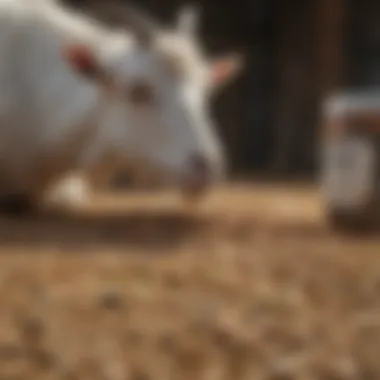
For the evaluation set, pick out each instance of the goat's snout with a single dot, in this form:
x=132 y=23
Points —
x=201 y=174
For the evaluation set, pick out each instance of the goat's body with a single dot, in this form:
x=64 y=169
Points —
x=46 y=110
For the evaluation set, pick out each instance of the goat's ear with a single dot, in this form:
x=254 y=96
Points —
x=82 y=59
x=188 y=19
x=225 y=69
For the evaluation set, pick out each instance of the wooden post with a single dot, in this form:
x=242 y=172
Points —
x=329 y=57
x=330 y=17
x=310 y=66
x=328 y=70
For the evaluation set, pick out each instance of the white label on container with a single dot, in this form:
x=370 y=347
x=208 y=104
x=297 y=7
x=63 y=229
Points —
x=348 y=171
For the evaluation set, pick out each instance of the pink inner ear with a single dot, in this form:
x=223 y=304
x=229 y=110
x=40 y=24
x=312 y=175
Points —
x=223 y=69
x=82 y=58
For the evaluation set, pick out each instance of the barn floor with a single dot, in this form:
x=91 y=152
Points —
x=250 y=285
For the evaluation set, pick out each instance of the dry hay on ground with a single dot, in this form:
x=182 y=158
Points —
x=251 y=285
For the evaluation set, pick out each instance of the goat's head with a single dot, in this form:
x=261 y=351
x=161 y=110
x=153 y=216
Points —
x=160 y=83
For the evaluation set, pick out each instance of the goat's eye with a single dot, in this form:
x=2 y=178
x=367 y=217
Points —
x=141 y=94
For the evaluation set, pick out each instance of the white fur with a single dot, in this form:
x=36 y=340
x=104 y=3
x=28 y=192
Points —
x=54 y=122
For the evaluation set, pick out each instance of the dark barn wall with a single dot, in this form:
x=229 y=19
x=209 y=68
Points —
x=363 y=43
x=295 y=86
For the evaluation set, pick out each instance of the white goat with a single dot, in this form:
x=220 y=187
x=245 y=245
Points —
x=77 y=95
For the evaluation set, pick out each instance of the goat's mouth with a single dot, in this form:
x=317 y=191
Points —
x=195 y=194
x=191 y=185
x=196 y=188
